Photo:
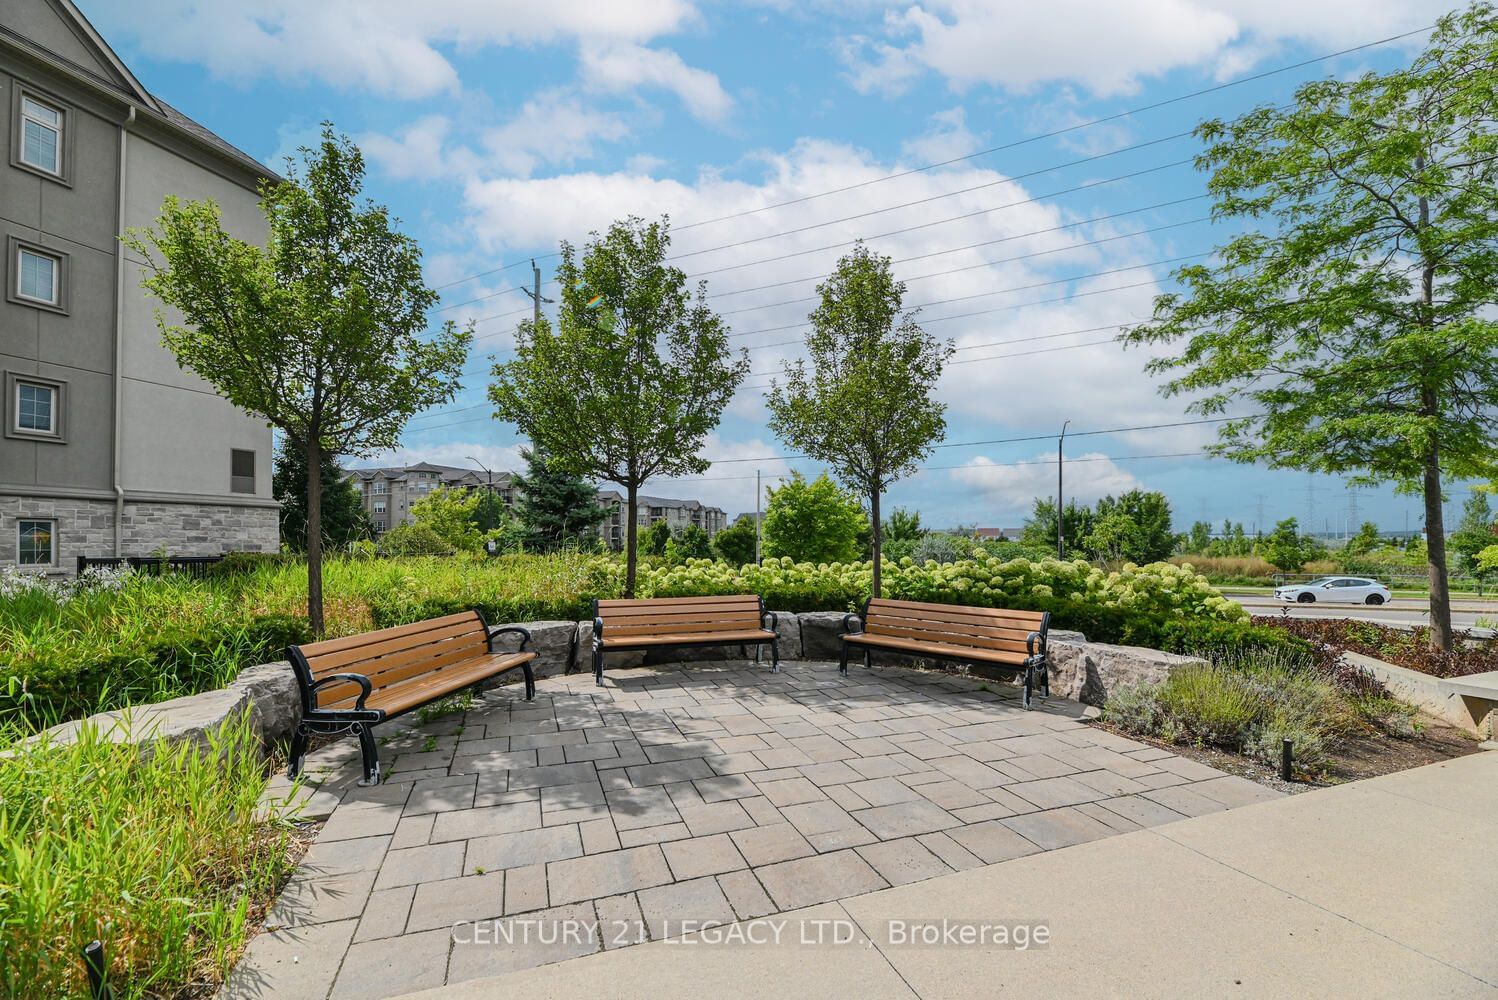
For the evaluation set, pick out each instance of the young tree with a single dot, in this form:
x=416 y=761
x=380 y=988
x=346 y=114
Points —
x=635 y=375
x=1475 y=531
x=1284 y=548
x=1040 y=527
x=691 y=542
x=865 y=406
x=1353 y=310
x=735 y=543
x=453 y=516
x=1138 y=528
x=555 y=505
x=1365 y=541
x=343 y=517
x=1198 y=538
x=814 y=521
x=656 y=538
x=318 y=333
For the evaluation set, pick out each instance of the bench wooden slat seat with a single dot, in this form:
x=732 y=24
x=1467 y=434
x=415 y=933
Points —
x=738 y=619
x=1012 y=639
x=354 y=683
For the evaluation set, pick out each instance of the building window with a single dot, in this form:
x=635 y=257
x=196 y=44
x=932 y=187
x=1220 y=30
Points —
x=379 y=488
x=241 y=471
x=41 y=135
x=37 y=543
x=379 y=527
x=379 y=507
x=33 y=407
x=38 y=276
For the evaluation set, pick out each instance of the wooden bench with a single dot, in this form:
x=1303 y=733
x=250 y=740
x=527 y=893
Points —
x=355 y=683
x=667 y=622
x=1012 y=639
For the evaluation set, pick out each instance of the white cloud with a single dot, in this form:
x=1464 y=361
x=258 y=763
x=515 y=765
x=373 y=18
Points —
x=552 y=128
x=389 y=47
x=1105 y=46
x=416 y=152
x=1012 y=488
x=625 y=66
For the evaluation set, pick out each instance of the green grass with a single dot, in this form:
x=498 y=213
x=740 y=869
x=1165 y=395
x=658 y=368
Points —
x=164 y=856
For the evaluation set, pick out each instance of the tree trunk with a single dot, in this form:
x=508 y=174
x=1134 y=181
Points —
x=1435 y=551
x=876 y=534
x=314 y=535
x=631 y=537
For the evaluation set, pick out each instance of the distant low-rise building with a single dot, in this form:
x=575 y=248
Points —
x=1005 y=534
x=648 y=510
x=389 y=493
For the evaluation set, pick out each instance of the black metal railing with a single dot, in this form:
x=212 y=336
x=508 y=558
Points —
x=190 y=565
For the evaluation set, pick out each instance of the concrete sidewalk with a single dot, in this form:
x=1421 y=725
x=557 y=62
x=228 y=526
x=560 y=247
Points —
x=1383 y=888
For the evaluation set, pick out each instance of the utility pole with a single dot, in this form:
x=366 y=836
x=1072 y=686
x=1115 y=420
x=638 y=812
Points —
x=1060 y=493
x=535 y=294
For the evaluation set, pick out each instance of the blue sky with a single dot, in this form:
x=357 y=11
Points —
x=495 y=128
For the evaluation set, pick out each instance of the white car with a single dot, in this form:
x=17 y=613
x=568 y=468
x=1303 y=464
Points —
x=1342 y=589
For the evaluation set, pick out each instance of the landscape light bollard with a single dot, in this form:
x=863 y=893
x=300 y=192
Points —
x=93 y=964
x=1287 y=760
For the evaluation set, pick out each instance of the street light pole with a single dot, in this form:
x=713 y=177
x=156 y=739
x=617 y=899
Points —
x=1060 y=494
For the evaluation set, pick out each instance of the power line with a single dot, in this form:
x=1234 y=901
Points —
x=965 y=298
x=895 y=175
x=992 y=263
x=985 y=465
x=971 y=246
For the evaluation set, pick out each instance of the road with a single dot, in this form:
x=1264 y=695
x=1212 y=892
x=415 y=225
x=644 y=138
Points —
x=1400 y=611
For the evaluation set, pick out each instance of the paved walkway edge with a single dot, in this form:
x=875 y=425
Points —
x=1382 y=888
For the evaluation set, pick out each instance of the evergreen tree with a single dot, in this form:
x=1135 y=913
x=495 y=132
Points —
x=343 y=516
x=554 y=504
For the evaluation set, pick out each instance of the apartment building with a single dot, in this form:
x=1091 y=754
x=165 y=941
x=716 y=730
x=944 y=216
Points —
x=389 y=493
x=107 y=447
x=648 y=510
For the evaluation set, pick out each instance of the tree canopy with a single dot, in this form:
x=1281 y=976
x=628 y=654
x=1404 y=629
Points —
x=320 y=332
x=863 y=402
x=812 y=521
x=1351 y=313
x=633 y=377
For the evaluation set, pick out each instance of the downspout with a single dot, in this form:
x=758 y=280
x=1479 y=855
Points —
x=119 y=342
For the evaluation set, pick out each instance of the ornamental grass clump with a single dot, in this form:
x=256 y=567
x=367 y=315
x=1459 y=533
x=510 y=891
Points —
x=161 y=852
x=1248 y=702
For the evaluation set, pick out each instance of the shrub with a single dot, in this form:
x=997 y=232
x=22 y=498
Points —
x=414 y=539
x=940 y=548
x=160 y=852
x=735 y=543
x=1248 y=702
x=1409 y=648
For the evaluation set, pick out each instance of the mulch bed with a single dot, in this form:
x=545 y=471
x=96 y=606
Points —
x=1358 y=757
x=1408 y=648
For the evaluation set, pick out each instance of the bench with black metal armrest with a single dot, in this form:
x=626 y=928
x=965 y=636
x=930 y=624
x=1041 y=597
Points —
x=1014 y=640
x=667 y=622
x=355 y=683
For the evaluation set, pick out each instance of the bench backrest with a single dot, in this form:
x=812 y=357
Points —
x=389 y=656
x=954 y=624
x=678 y=616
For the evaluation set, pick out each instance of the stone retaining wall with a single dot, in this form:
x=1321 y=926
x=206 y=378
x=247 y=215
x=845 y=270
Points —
x=1080 y=670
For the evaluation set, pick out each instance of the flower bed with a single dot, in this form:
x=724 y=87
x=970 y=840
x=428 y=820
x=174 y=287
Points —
x=1408 y=648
